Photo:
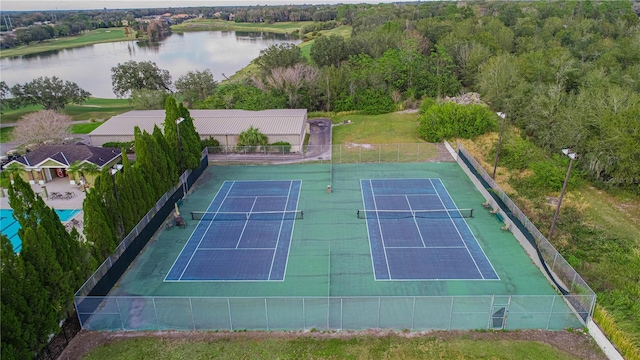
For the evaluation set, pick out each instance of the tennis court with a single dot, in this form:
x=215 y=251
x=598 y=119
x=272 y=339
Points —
x=244 y=235
x=416 y=232
x=325 y=277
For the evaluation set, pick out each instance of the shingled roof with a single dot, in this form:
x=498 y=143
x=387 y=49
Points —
x=68 y=154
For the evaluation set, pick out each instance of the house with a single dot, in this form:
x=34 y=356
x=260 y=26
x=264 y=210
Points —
x=287 y=125
x=53 y=161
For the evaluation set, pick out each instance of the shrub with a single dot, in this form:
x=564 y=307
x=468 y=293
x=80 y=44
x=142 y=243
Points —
x=210 y=142
x=450 y=120
x=127 y=145
x=515 y=153
x=279 y=147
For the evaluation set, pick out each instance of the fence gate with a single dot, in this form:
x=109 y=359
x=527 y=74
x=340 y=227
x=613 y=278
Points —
x=499 y=311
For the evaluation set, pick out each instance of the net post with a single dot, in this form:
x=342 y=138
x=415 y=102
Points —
x=471 y=213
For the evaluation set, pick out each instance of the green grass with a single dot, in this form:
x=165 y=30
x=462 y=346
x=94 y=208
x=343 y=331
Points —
x=286 y=27
x=5 y=134
x=392 y=128
x=84 y=128
x=96 y=108
x=363 y=347
x=92 y=37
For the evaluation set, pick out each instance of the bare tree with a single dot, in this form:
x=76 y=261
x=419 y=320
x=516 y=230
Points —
x=292 y=79
x=42 y=126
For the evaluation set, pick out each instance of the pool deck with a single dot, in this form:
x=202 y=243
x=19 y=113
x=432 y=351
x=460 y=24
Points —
x=57 y=185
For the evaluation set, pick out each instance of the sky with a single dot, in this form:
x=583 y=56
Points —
x=32 y=5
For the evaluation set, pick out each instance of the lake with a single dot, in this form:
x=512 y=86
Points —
x=222 y=52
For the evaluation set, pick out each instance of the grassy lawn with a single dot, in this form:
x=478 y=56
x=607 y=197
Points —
x=5 y=134
x=96 y=108
x=393 y=128
x=84 y=128
x=286 y=27
x=363 y=347
x=91 y=37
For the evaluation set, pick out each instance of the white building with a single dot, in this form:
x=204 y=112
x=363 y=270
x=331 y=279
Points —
x=288 y=125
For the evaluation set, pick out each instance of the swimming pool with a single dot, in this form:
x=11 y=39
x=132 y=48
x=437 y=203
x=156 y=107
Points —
x=10 y=226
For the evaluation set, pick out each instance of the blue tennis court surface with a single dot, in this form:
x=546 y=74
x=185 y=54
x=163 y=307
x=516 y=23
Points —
x=407 y=246
x=236 y=241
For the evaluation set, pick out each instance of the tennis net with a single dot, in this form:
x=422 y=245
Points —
x=245 y=216
x=422 y=214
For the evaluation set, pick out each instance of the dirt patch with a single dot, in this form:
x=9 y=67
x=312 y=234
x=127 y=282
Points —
x=576 y=343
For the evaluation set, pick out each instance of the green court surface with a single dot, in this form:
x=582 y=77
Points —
x=329 y=276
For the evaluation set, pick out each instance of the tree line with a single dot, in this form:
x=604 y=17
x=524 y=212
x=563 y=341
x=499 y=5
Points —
x=38 y=284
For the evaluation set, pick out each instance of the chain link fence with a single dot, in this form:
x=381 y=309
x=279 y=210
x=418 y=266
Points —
x=489 y=312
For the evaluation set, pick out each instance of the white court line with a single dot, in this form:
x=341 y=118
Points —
x=251 y=197
x=364 y=206
x=293 y=225
x=415 y=221
x=273 y=258
x=428 y=247
x=375 y=205
x=205 y=233
x=458 y=231
x=234 y=249
x=246 y=222
x=194 y=230
x=474 y=237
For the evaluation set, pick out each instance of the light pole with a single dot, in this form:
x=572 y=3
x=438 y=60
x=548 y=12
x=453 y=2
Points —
x=495 y=163
x=184 y=185
x=571 y=156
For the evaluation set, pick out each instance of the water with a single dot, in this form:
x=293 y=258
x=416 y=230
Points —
x=222 y=52
x=10 y=226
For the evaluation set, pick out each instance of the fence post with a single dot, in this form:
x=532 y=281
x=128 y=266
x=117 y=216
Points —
x=229 y=308
x=398 y=160
x=553 y=301
x=341 y=326
x=266 y=313
x=119 y=314
x=155 y=311
x=193 y=319
x=450 y=309
x=304 y=316
x=413 y=313
x=379 y=312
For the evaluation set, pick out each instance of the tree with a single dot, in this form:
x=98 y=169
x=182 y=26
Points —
x=291 y=80
x=251 y=138
x=41 y=126
x=279 y=56
x=134 y=75
x=52 y=93
x=329 y=50
x=145 y=99
x=196 y=85
x=4 y=94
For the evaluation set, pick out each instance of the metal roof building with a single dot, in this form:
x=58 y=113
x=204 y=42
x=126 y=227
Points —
x=289 y=125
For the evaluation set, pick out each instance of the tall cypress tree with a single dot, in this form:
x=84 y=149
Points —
x=167 y=155
x=191 y=146
x=170 y=128
x=105 y=186
x=98 y=227
x=16 y=335
x=41 y=268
